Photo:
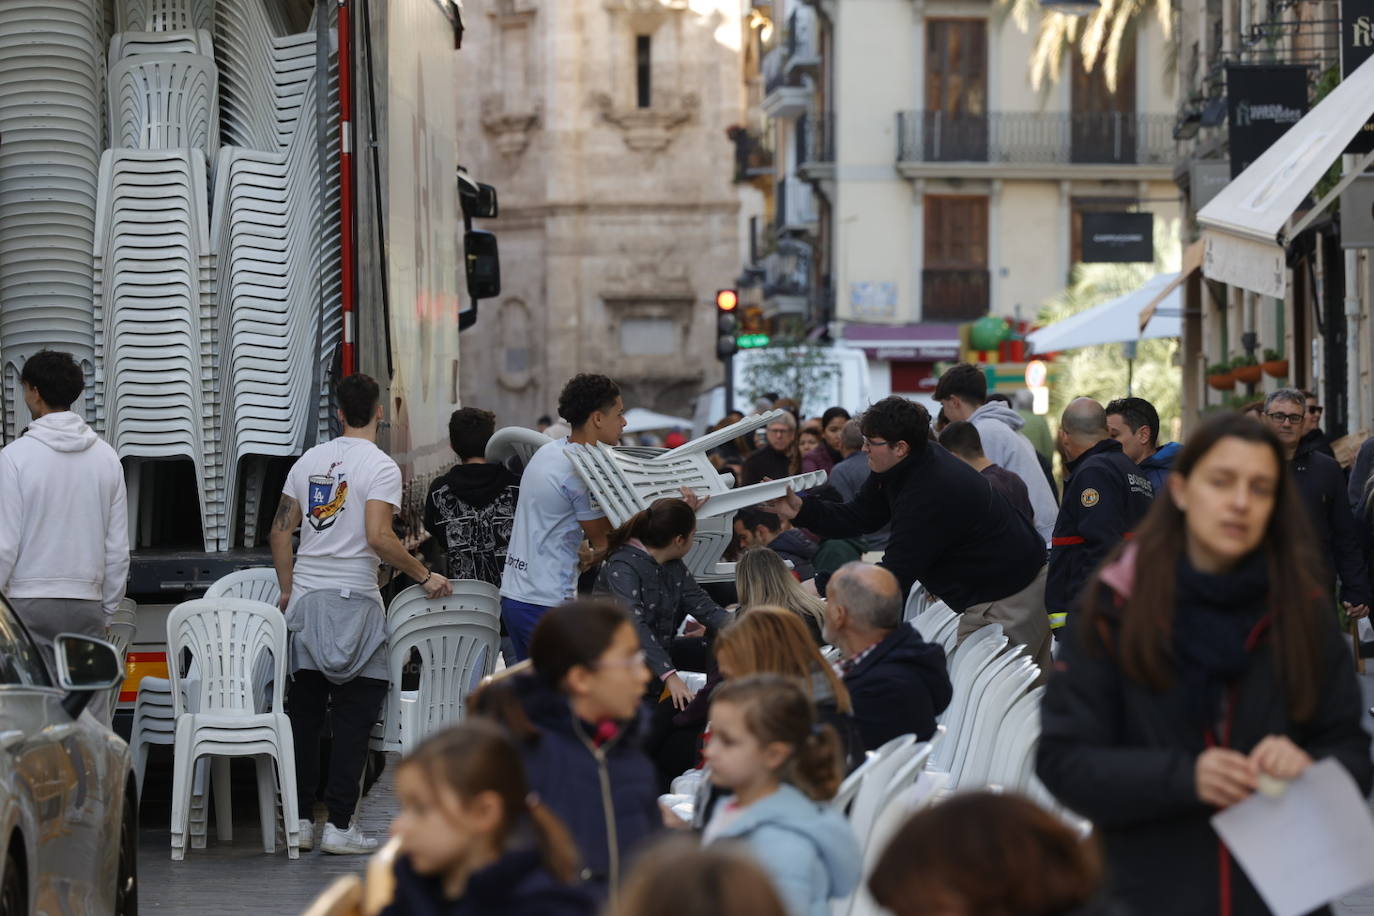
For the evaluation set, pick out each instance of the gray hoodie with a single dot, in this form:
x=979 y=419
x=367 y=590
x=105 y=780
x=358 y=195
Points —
x=63 y=514
x=806 y=847
x=999 y=428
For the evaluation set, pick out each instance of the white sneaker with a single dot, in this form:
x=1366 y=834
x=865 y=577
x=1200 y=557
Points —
x=350 y=842
x=307 y=841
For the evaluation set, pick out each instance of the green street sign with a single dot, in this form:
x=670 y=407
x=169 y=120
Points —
x=745 y=341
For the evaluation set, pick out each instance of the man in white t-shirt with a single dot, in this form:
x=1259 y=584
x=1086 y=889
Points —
x=345 y=491
x=556 y=511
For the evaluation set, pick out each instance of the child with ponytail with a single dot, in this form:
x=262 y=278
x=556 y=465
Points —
x=782 y=766
x=644 y=570
x=474 y=840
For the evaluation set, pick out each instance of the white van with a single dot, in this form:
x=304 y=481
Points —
x=847 y=387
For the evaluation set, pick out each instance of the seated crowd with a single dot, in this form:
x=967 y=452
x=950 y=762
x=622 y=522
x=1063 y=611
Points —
x=775 y=687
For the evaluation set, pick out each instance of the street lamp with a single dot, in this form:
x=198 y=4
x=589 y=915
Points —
x=1076 y=8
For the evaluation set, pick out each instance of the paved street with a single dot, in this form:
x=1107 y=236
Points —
x=237 y=878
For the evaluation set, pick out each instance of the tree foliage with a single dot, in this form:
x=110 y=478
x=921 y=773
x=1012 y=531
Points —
x=792 y=370
x=1102 y=372
x=1100 y=38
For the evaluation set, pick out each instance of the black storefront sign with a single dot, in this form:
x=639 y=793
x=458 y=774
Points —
x=1262 y=101
x=1357 y=45
x=1118 y=237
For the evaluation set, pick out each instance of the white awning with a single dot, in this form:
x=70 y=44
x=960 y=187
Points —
x=638 y=420
x=1244 y=225
x=1117 y=320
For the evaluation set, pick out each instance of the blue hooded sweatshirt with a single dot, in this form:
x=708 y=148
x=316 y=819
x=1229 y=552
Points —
x=806 y=847
x=1156 y=467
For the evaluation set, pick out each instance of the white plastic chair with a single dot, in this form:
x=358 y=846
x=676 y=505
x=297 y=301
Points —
x=515 y=442
x=123 y=629
x=907 y=800
x=226 y=636
x=934 y=620
x=993 y=718
x=969 y=662
x=986 y=702
x=872 y=792
x=917 y=600
x=457 y=639
x=1013 y=753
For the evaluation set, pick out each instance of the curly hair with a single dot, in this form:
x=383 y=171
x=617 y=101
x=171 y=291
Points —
x=584 y=395
x=896 y=419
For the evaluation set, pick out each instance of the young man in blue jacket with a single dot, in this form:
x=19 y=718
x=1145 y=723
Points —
x=1134 y=423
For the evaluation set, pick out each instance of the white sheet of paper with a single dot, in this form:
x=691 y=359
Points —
x=1308 y=846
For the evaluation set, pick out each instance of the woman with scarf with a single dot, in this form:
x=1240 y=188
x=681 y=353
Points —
x=1202 y=664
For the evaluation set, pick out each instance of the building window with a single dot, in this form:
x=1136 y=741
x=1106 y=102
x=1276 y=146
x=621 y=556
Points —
x=648 y=337
x=643 y=71
x=954 y=275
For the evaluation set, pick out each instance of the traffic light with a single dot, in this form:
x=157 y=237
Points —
x=727 y=323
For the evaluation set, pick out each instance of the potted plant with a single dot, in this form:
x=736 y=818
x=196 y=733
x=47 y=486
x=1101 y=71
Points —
x=1245 y=368
x=1274 y=365
x=1219 y=377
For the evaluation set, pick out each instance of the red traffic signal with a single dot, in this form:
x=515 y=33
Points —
x=726 y=300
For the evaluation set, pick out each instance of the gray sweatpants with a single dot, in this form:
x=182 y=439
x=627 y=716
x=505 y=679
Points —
x=47 y=617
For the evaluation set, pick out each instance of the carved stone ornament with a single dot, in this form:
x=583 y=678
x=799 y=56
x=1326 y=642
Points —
x=648 y=130
x=510 y=130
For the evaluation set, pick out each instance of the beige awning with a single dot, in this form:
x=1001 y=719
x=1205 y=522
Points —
x=1192 y=260
x=1246 y=226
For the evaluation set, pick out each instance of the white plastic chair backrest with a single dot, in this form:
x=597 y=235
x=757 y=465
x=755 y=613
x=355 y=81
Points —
x=226 y=636
x=934 y=621
x=469 y=594
x=850 y=787
x=1014 y=752
x=991 y=719
x=872 y=793
x=980 y=702
x=457 y=649
x=975 y=660
x=515 y=441
x=123 y=625
x=917 y=601
x=257 y=583
x=905 y=799
x=948 y=637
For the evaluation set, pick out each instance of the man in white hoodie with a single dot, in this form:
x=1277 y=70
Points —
x=963 y=393
x=64 y=536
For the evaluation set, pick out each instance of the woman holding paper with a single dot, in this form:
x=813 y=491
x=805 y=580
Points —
x=1202 y=666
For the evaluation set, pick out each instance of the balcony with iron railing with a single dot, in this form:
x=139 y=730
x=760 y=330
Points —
x=954 y=294
x=1035 y=144
x=819 y=140
x=794 y=206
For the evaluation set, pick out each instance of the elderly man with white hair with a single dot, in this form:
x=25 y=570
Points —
x=897 y=681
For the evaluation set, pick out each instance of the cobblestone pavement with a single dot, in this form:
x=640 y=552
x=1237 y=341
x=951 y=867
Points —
x=239 y=878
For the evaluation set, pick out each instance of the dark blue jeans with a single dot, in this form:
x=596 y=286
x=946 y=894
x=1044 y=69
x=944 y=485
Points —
x=520 y=619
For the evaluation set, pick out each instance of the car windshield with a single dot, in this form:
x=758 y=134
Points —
x=20 y=663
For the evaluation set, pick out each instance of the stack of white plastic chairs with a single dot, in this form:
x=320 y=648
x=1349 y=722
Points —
x=277 y=263
x=627 y=480
x=51 y=117
x=153 y=311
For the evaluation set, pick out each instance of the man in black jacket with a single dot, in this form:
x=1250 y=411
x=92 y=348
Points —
x=1322 y=488
x=897 y=681
x=950 y=530
x=470 y=510
x=1105 y=497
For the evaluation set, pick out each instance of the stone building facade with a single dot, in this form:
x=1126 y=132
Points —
x=603 y=124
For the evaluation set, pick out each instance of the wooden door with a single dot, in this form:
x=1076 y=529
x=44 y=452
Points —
x=955 y=121
x=1104 y=127
x=954 y=275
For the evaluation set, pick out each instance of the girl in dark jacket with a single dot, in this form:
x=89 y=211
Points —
x=644 y=569
x=1203 y=659
x=575 y=716
x=474 y=841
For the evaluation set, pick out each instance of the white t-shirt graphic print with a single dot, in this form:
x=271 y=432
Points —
x=541 y=561
x=332 y=483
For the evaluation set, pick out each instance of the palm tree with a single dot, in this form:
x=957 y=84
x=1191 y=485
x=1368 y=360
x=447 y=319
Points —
x=1099 y=37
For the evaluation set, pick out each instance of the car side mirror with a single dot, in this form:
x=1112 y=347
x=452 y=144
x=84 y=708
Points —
x=483 y=264
x=85 y=667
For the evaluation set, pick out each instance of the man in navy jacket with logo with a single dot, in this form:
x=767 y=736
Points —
x=1105 y=496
